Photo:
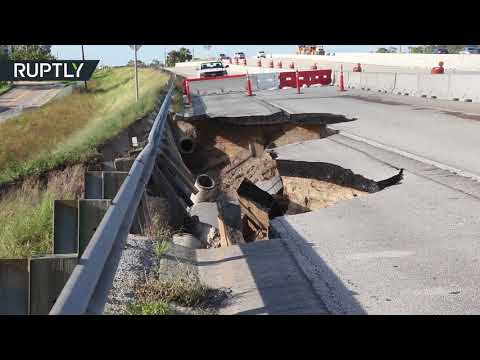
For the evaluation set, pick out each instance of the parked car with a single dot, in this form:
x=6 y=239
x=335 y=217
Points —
x=223 y=57
x=261 y=54
x=441 y=51
x=212 y=68
x=470 y=50
x=239 y=55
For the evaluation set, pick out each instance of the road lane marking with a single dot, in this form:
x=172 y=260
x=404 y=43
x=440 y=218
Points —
x=409 y=155
x=379 y=254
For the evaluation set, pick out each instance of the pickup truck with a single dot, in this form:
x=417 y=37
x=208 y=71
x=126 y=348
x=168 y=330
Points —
x=212 y=68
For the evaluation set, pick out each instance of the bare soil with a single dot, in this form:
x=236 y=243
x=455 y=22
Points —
x=311 y=194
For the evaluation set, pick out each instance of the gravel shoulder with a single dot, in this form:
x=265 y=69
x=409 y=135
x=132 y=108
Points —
x=140 y=262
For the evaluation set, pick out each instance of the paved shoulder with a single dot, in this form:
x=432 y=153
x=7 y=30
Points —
x=263 y=277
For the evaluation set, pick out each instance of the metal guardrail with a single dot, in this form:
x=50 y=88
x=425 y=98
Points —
x=86 y=290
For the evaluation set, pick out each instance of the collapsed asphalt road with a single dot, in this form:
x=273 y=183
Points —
x=411 y=248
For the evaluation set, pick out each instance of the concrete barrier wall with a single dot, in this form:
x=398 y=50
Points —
x=189 y=63
x=466 y=62
x=381 y=82
x=437 y=86
x=465 y=87
x=352 y=80
x=452 y=86
x=218 y=86
x=406 y=84
x=266 y=81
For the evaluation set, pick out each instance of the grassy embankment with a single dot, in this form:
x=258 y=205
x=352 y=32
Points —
x=63 y=133
x=4 y=87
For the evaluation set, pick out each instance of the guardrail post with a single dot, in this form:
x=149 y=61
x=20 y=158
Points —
x=124 y=164
x=177 y=206
x=48 y=276
x=14 y=286
x=140 y=220
x=90 y=214
x=65 y=226
x=94 y=185
x=112 y=182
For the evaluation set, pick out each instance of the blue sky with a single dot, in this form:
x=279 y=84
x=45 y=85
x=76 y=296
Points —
x=120 y=54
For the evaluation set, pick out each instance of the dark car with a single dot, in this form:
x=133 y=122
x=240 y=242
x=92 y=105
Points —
x=441 y=51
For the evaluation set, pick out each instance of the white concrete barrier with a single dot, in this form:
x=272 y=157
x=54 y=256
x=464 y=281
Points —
x=351 y=80
x=189 y=64
x=451 y=86
x=406 y=84
x=218 y=86
x=436 y=86
x=462 y=62
x=266 y=81
x=465 y=87
x=380 y=82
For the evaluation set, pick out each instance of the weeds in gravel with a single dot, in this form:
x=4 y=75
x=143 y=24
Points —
x=184 y=288
x=160 y=231
x=149 y=308
x=161 y=248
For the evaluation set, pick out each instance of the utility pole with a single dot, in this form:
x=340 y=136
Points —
x=11 y=57
x=83 y=59
x=136 y=73
x=135 y=48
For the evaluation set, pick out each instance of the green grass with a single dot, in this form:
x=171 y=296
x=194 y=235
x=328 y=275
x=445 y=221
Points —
x=26 y=214
x=64 y=132
x=149 y=308
x=69 y=130
x=4 y=87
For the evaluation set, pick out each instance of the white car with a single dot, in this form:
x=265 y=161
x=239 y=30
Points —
x=212 y=68
x=261 y=54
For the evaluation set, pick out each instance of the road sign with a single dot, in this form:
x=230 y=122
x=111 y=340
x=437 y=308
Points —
x=135 y=47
